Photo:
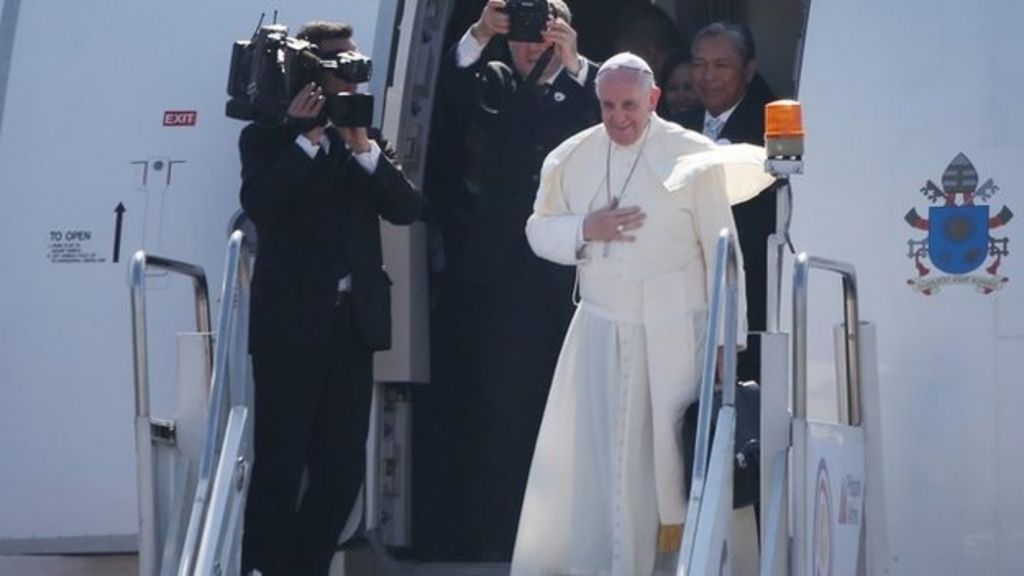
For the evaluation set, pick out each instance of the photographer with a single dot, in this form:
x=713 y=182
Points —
x=511 y=308
x=320 y=308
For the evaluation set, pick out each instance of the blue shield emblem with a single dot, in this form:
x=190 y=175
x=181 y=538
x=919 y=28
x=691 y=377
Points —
x=959 y=228
x=958 y=237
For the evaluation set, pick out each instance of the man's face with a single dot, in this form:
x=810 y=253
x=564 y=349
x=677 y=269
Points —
x=330 y=83
x=720 y=77
x=526 y=54
x=626 y=106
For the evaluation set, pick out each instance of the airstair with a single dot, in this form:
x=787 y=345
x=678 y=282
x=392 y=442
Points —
x=824 y=479
x=818 y=493
x=821 y=481
x=821 y=487
x=193 y=471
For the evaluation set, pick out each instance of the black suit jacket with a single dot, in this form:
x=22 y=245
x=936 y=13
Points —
x=523 y=124
x=317 y=220
x=755 y=219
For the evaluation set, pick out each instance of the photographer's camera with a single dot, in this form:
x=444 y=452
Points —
x=527 y=19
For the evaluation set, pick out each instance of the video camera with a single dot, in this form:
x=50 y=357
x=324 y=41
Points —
x=268 y=70
x=527 y=19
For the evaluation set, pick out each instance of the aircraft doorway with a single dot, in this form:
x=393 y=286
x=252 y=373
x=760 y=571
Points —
x=449 y=474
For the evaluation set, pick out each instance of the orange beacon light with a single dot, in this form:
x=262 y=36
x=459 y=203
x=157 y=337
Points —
x=783 y=138
x=783 y=129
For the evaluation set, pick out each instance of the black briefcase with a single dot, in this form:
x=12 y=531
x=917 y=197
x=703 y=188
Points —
x=746 y=489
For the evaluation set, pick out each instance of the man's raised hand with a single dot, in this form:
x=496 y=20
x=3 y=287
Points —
x=492 y=22
x=307 y=105
x=563 y=36
x=610 y=224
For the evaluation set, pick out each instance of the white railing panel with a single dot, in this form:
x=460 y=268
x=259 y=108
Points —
x=220 y=546
x=712 y=553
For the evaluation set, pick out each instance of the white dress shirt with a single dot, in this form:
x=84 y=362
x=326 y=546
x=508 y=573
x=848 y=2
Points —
x=368 y=160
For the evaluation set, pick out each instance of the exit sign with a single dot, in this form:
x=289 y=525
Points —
x=180 y=118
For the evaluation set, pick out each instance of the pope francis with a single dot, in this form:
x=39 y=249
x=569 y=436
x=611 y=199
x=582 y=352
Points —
x=636 y=204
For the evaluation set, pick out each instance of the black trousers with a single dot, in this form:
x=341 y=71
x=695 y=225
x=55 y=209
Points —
x=312 y=411
x=518 y=336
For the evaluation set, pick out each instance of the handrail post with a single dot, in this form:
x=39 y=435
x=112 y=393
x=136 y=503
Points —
x=235 y=267
x=776 y=244
x=708 y=375
x=725 y=279
x=143 y=446
x=851 y=320
x=143 y=436
x=137 y=277
x=239 y=353
x=731 y=320
x=215 y=547
x=777 y=241
x=801 y=271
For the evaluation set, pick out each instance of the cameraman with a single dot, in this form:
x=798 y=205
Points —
x=513 y=308
x=320 y=308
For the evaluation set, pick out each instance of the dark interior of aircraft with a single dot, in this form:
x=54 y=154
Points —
x=448 y=478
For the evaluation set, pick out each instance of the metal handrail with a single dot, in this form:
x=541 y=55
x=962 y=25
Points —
x=137 y=274
x=801 y=275
x=137 y=279
x=235 y=268
x=776 y=244
x=776 y=516
x=851 y=320
x=238 y=356
x=218 y=544
x=726 y=278
x=231 y=473
x=778 y=241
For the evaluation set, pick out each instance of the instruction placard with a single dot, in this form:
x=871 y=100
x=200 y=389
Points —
x=73 y=247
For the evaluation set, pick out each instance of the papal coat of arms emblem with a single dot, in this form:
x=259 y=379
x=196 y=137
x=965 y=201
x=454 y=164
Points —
x=959 y=227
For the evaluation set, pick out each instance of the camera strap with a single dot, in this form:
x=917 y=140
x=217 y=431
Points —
x=539 y=67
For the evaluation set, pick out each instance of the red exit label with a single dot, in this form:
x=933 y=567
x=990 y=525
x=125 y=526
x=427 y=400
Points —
x=180 y=118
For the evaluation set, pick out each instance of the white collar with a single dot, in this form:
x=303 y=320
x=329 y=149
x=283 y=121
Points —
x=724 y=116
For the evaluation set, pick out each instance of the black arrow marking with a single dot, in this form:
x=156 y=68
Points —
x=117 y=230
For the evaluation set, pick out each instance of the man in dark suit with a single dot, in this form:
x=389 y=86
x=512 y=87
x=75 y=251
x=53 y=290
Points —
x=320 y=308
x=512 y=308
x=732 y=96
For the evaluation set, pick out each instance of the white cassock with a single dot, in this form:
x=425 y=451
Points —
x=607 y=469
